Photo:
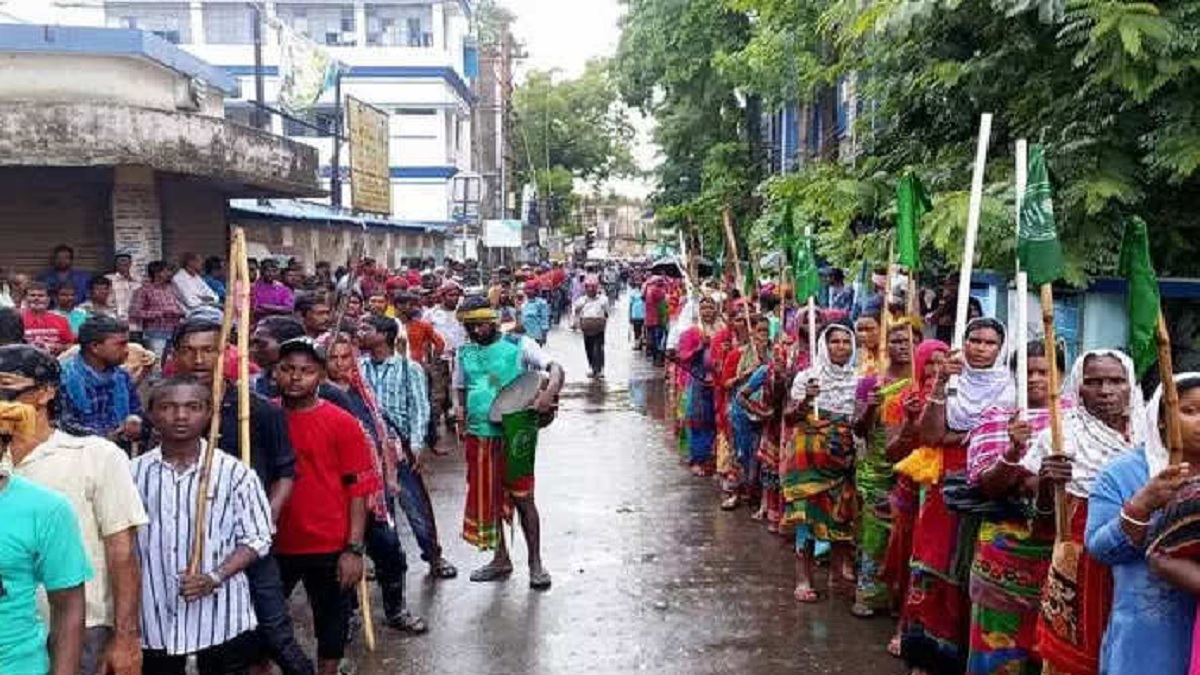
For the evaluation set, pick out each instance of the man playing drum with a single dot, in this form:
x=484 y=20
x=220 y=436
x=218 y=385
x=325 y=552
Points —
x=485 y=365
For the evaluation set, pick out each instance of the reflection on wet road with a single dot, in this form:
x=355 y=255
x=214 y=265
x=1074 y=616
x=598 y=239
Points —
x=649 y=575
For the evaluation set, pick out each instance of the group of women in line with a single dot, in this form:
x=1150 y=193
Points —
x=910 y=467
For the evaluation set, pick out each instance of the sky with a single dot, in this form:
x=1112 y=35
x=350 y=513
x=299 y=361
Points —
x=565 y=34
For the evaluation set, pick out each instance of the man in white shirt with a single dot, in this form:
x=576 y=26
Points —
x=124 y=283
x=207 y=613
x=443 y=320
x=93 y=474
x=590 y=315
x=189 y=283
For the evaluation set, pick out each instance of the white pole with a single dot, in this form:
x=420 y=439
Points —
x=968 y=261
x=1021 y=331
x=812 y=341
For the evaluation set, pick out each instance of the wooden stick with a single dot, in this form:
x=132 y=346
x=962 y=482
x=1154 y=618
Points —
x=968 y=261
x=1061 y=519
x=1166 y=373
x=727 y=221
x=242 y=273
x=196 y=556
x=364 y=604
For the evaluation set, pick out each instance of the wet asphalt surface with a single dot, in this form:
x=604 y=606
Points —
x=650 y=576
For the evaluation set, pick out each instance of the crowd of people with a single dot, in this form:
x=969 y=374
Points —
x=906 y=470
x=106 y=400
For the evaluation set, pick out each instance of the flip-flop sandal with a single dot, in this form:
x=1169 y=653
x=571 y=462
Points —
x=406 y=622
x=491 y=573
x=540 y=580
x=893 y=647
x=442 y=569
x=730 y=503
x=861 y=611
x=807 y=595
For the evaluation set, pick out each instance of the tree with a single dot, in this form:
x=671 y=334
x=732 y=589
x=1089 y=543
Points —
x=569 y=130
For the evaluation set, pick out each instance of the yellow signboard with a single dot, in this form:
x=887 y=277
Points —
x=370 y=184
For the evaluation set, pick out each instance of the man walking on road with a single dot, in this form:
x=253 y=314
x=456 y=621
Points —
x=590 y=312
x=485 y=366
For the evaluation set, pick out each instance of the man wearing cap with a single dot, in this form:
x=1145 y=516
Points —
x=323 y=524
x=94 y=476
x=590 y=314
x=485 y=365
x=99 y=396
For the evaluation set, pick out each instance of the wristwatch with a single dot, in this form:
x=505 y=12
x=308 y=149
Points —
x=355 y=548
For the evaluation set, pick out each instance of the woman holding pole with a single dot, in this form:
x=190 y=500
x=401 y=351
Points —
x=1107 y=421
x=878 y=415
x=818 y=475
x=1154 y=598
x=937 y=609
x=1013 y=553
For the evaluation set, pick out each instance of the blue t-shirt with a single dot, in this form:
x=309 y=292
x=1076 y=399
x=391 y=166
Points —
x=637 y=305
x=40 y=545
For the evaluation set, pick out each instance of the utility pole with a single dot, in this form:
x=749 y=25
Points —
x=339 y=111
x=261 y=120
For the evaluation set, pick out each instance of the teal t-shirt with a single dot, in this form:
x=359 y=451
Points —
x=40 y=545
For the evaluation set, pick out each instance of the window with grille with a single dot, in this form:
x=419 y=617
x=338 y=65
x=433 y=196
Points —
x=331 y=24
x=323 y=117
x=395 y=25
x=228 y=24
x=171 y=20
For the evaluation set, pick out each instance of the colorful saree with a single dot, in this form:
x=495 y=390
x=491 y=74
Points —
x=818 y=479
x=699 y=422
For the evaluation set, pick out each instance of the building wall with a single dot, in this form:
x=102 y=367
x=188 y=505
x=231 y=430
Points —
x=318 y=242
x=62 y=206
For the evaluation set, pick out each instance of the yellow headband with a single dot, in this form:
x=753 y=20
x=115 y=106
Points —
x=481 y=315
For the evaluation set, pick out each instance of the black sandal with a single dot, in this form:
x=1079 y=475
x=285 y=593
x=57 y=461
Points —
x=442 y=569
x=490 y=572
x=407 y=622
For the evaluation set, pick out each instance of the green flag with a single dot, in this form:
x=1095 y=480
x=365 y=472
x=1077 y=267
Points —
x=1038 y=247
x=912 y=202
x=808 y=278
x=1136 y=267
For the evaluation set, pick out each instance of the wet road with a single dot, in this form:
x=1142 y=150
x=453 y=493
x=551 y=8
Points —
x=649 y=575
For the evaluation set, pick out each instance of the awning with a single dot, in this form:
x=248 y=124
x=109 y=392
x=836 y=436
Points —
x=314 y=213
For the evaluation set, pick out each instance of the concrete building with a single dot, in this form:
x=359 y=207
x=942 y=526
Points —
x=411 y=58
x=116 y=140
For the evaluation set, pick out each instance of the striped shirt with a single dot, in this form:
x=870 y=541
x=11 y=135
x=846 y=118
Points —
x=399 y=386
x=989 y=441
x=238 y=515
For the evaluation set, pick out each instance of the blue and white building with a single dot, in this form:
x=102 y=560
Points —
x=411 y=58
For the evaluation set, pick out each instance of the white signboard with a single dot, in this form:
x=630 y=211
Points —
x=502 y=233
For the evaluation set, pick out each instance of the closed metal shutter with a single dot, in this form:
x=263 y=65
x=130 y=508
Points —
x=193 y=218
x=41 y=208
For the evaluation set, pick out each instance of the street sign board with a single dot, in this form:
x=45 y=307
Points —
x=370 y=183
x=502 y=233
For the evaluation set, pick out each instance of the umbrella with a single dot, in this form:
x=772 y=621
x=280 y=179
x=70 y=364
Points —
x=772 y=261
x=671 y=266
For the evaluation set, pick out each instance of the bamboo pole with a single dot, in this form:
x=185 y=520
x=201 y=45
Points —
x=1166 y=373
x=968 y=261
x=727 y=221
x=1061 y=518
x=242 y=285
x=196 y=556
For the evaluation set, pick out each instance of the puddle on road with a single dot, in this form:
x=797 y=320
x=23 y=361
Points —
x=645 y=396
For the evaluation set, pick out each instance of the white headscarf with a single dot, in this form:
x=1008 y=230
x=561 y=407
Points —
x=1087 y=440
x=688 y=317
x=838 y=384
x=1157 y=454
x=981 y=388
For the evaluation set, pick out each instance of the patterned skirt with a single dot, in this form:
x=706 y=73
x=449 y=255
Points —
x=818 y=480
x=1006 y=586
x=1075 y=603
x=874 y=480
x=489 y=494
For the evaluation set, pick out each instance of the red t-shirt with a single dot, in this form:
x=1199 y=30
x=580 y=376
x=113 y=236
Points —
x=333 y=465
x=47 y=330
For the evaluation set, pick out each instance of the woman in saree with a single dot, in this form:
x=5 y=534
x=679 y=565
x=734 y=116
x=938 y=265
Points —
x=727 y=346
x=699 y=410
x=937 y=608
x=1151 y=626
x=1107 y=421
x=905 y=496
x=818 y=474
x=744 y=374
x=878 y=417
x=866 y=332
x=1013 y=549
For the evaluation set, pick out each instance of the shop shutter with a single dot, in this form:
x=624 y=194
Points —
x=41 y=208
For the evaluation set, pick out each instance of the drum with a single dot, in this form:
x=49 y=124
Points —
x=520 y=444
x=517 y=395
x=592 y=325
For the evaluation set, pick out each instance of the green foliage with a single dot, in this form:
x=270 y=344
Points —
x=1111 y=87
x=568 y=130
